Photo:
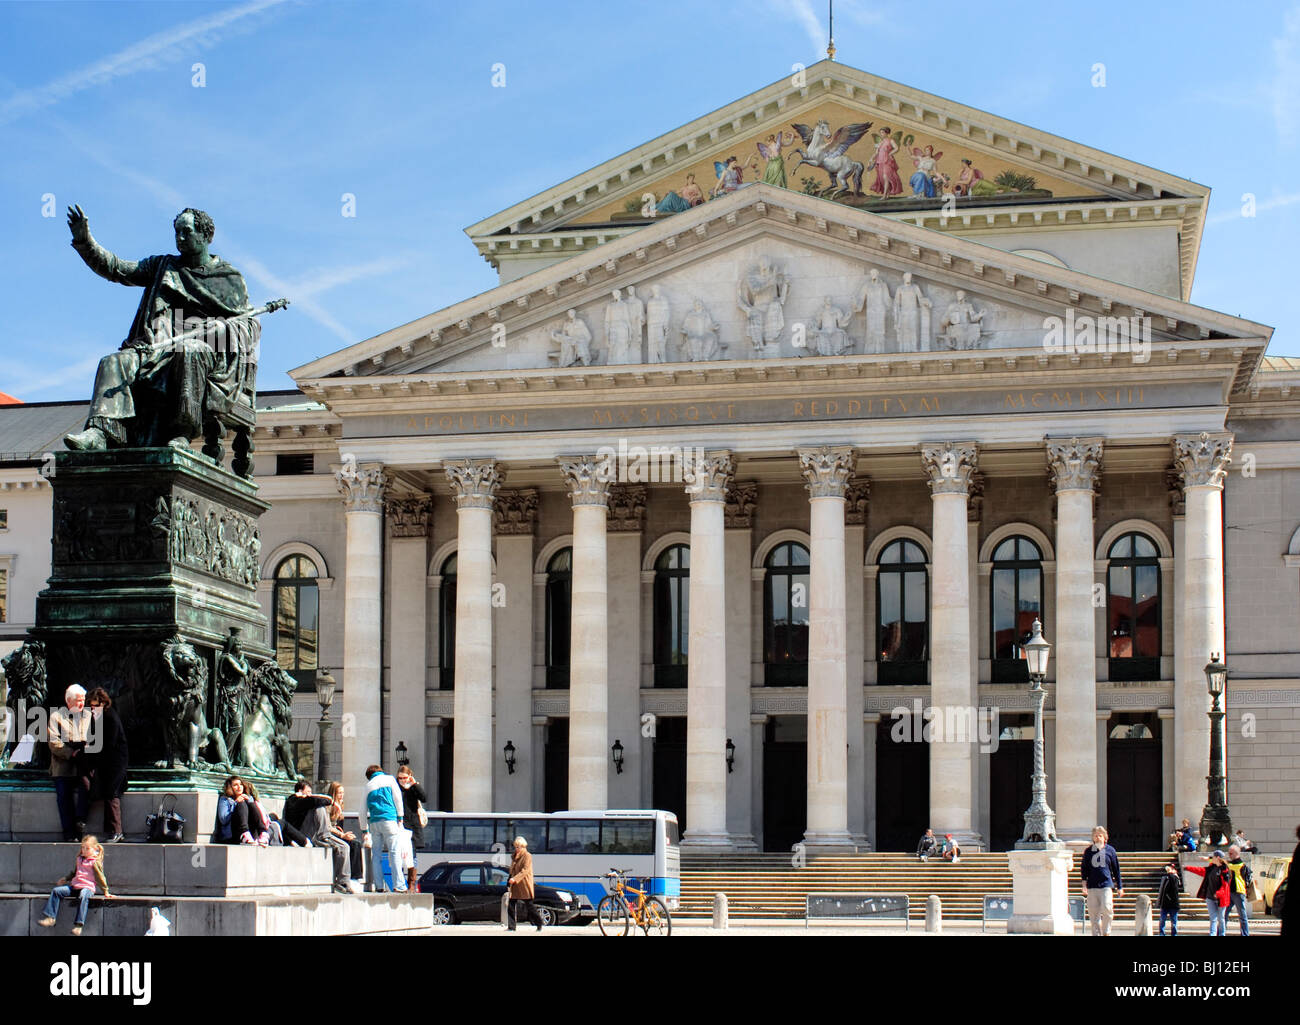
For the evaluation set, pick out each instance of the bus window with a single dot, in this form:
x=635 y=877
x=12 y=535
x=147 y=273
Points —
x=468 y=835
x=532 y=830
x=574 y=836
x=432 y=835
x=670 y=825
x=627 y=836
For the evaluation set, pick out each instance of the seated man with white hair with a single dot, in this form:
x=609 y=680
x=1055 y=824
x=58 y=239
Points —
x=69 y=731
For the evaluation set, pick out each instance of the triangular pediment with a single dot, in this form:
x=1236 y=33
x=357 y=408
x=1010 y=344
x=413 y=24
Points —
x=937 y=156
x=715 y=254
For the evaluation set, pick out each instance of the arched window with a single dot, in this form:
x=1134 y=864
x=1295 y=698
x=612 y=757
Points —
x=447 y=625
x=672 y=602
x=1016 y=601
x=785 y=616
x=295 y=615
x=1133 y=608
x=903 y=618
x=559 y=605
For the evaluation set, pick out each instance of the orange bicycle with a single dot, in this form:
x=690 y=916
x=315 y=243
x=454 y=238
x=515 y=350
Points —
x=625 y=906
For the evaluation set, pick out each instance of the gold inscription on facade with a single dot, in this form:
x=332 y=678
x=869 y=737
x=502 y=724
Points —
x=467 y=421
x=1071 y=399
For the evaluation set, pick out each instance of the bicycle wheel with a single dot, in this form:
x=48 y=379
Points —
x=655 y=920
x=611 y=916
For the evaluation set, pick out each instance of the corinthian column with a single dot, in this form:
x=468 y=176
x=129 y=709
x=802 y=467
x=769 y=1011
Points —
x=826 y=473
x=950 y=467
x=588 y=479
x=707 y=480
x=1074 y=466
x=474 y=485
x=1202 y=462
x=363 y=496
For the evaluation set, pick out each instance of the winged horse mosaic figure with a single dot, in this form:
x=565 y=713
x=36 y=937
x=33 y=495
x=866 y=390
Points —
x=827 y=151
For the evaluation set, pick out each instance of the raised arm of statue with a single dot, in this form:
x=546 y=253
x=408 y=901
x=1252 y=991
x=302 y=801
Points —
x=100 y=260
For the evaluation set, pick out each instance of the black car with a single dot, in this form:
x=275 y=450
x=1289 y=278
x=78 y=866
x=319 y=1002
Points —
x=472 y=892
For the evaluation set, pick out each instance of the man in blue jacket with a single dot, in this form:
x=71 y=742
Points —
x=381 y=816
x=1099 y=867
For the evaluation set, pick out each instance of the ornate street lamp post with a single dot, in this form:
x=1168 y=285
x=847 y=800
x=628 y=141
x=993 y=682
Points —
x=325 y=685
x=1216 y=826
x=1040 y=820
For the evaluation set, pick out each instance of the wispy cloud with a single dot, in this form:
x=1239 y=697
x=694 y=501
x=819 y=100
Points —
x=809 y=16
x=1274 y=203
x=26 y=381
x=1286 y=79
x=149 y=53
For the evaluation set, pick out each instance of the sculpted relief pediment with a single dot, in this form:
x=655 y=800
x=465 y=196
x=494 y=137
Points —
x=762 y=299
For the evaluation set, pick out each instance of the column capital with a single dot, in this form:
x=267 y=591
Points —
x=949 y=466
x=627 y=508
x=708 y=477
x=474 y=482
x=515 y=511
x=362 y=486
x=857 y=497
x=1202 y=459
x=826 y=470
x=742 y=499
x=409 y=515
x=975 y=504
x=1074 y=464
x=1177 y=497
x=588 y=478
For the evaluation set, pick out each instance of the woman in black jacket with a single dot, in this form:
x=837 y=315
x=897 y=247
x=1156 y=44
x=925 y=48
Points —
x=1290 y=917
x=107 y=764
x=413 y=797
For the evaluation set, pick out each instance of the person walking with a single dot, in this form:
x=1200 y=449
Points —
x=78 y=884
x=413 y=798
x=107 y=759
x=69 y=730
x=1239 y=886
x=1290 y=917
x=1215 y=890
x=1099 y=867
x=521 y=885
x=381 y=816
x=1168 y=898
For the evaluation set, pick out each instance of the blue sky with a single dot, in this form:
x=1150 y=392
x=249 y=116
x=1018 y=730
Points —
x=393 y=102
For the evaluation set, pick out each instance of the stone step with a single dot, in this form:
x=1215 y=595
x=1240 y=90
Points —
x=307 y=915
x=175 y=870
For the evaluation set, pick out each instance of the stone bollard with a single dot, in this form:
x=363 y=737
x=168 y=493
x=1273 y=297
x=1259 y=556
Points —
x=719 y=911
x=1142 y=919
x=933 y=914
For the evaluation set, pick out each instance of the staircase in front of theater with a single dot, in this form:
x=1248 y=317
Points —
x=766 y=886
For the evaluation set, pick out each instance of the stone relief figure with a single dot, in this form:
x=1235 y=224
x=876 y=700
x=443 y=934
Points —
x=266 y=729
x=658 y=320
x=575 y=340
x=701 y=333
x=875 y=299
x=960 y=325
x=182 y=694
x=911 y=317
x=191 y=353
x=22 y=677
x=636 y=317
x=761 y=296
x=828 y=327
x=233 y=697
x=618 y=331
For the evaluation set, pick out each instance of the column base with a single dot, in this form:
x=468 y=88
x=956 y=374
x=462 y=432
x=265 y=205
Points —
x=971 y=841
x=1075 y=839
x=698 y=840
x=862 y=842
x=830 y=843
x=1040 y=891
x=744 y=843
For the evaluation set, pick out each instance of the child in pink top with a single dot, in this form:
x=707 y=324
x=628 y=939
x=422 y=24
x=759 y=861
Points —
x=79 y=883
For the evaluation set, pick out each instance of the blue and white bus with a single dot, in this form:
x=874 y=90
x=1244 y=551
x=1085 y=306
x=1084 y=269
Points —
x=571 y=850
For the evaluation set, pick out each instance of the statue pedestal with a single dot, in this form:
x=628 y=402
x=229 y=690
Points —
x=149 y=544
x=1040 y=887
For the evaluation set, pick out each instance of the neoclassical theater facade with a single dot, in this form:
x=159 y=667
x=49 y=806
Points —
x=741 y=491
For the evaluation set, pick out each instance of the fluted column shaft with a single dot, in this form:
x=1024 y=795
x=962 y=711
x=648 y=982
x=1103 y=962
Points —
x=707 y=481
x=826 y=472
x=474 y=484
x=1074 y=465
x=588 y=480
x=950 y=467
x=363 y=493
x=1202 y=461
